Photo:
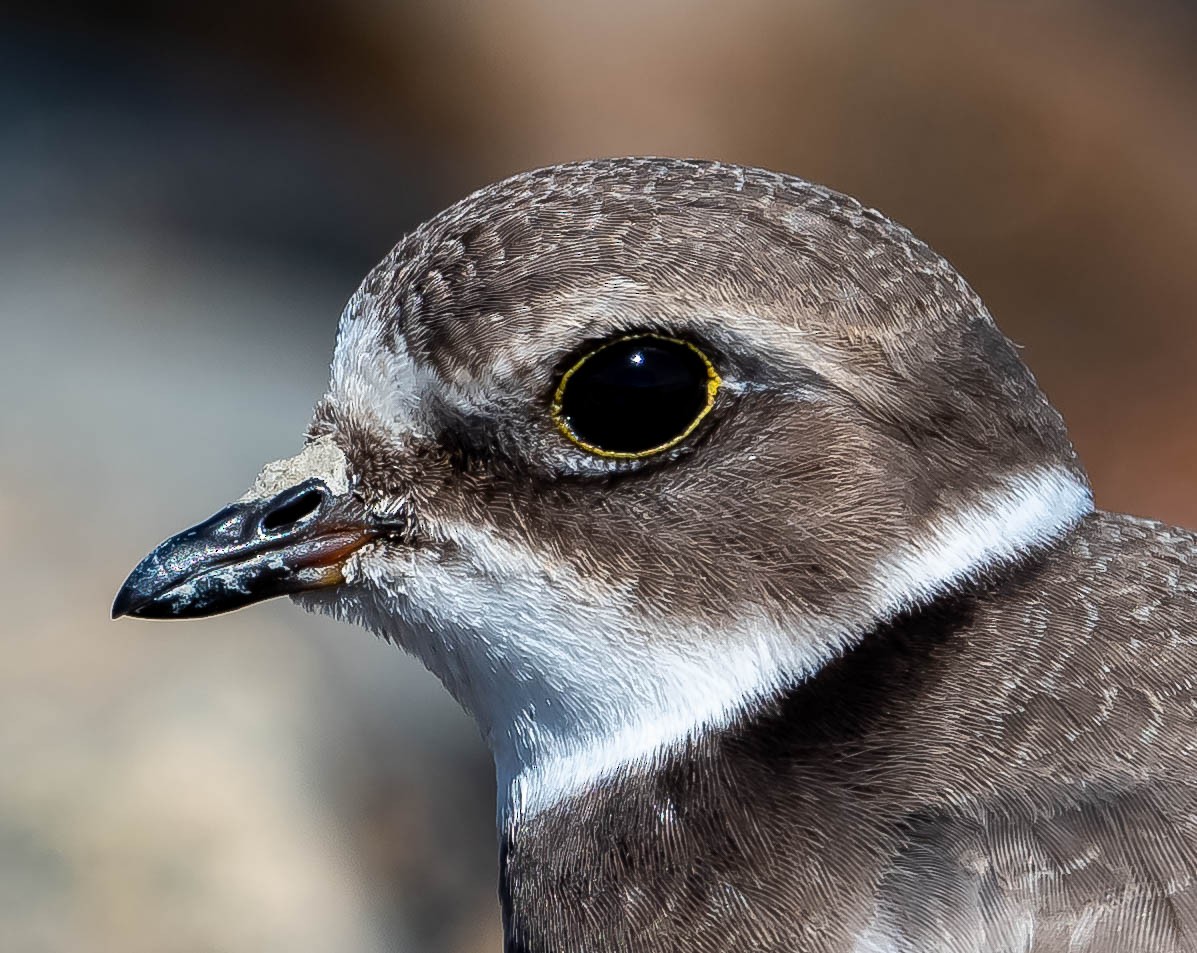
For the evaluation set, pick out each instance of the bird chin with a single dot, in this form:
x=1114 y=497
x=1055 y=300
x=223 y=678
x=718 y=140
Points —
x=359 y=603
x=322 y=601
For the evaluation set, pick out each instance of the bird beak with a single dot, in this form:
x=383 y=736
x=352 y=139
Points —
x=291 y=541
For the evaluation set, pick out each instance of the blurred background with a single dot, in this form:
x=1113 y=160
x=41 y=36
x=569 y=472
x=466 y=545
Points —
x=188 y=194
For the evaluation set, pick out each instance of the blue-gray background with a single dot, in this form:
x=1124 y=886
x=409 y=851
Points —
x=188 y=194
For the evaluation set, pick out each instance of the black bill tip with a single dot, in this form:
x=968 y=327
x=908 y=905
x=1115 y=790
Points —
x=151 y=591
x=201 y=571
x=128 y=600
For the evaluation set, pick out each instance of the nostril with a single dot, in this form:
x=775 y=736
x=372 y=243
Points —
x=289 y=512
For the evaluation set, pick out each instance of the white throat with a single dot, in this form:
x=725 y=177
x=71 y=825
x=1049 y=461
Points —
x=567 y=693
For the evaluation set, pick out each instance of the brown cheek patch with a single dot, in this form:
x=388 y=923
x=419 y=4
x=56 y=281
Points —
x=759 y=514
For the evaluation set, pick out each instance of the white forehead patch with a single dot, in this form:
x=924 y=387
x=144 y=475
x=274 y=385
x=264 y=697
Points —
x=321 y=459
x=373 y=372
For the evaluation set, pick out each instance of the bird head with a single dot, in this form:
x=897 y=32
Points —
x=617 y=448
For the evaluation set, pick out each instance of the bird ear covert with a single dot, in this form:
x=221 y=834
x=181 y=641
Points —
x=635 y=396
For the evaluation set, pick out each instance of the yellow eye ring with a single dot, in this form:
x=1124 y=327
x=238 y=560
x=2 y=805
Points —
x=635 y=396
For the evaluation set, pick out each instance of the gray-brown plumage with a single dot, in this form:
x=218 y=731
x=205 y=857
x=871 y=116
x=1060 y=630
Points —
x=847 y=664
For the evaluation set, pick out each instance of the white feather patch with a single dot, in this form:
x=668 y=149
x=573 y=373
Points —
x=568 y=694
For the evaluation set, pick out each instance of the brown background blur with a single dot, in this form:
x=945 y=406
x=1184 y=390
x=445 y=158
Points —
x=189 y=193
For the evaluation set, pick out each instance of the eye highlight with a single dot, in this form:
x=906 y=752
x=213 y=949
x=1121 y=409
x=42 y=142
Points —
x=635 y=396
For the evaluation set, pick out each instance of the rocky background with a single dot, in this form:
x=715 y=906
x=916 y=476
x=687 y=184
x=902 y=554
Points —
x=188 y=194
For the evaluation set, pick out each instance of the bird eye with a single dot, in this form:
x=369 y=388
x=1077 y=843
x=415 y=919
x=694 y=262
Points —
x=635 y=396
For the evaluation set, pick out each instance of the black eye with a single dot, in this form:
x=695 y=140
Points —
x=635 y=396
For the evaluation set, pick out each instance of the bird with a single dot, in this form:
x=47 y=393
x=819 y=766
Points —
x=769 y=574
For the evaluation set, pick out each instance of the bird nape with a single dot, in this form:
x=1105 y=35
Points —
x=769 y=574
